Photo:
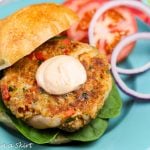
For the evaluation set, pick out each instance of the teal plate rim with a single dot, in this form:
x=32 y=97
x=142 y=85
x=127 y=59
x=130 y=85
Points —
x=127 y=132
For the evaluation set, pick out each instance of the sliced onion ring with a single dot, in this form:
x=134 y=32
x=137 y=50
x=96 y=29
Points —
x=134 y=71
x=118 y=48
x=112 y=4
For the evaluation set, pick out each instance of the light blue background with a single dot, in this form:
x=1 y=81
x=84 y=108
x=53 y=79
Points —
x=130 y=131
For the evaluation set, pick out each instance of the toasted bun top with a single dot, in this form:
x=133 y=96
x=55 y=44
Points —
x=22 y=32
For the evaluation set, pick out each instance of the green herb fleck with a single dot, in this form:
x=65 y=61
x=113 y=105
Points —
x=24 y=89
x=90 y=67
x=42 y=90
x=85 y=95
x=61 y=46
x=39 y=62
x=70 y=119
x=11 y=88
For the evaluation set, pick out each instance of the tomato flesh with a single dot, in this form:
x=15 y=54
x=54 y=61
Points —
x=85 y=20
x=140 y=15
x=85 y=10
x=5 y=92
x=113 y=26
x=76 y=4
x=39 y=56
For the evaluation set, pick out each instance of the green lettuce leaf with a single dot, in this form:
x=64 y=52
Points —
x=113 y=104
x=90 y=132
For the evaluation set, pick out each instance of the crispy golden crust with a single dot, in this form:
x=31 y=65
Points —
x=29 y=27
x=70 y=111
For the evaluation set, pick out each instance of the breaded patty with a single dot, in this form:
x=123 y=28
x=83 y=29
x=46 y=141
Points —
x=70 y=111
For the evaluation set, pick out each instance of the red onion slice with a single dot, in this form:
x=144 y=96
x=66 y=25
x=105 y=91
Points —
x=118 y=48
x=134 y=71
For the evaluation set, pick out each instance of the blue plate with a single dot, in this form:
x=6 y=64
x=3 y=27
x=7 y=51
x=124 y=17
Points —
x=129 y=131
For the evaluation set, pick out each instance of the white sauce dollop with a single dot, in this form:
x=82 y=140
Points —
x=61 y=74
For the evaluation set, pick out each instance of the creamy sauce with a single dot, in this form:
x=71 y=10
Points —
x=61 y=74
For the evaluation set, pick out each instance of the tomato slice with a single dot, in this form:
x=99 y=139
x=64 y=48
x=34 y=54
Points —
x=75 y=4
x=111 y=27
x=85 y=10
x=79 y=31
x=140 y=15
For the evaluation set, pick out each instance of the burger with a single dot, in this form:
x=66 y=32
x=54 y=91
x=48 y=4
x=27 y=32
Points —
x=53 y=89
